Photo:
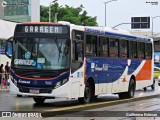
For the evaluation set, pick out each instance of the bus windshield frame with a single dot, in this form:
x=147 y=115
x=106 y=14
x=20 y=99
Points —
x=43 y=51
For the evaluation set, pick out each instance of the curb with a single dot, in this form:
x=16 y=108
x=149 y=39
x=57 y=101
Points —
x=53 y=113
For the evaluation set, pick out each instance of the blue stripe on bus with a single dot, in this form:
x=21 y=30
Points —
x=43 y=83
x=105 y=70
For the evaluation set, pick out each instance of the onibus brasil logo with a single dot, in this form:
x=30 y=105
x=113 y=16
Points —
x=5 y=4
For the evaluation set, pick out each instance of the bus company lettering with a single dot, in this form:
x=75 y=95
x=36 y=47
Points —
x=42 y=29
x=103 y=68
x=24 y=81
x=22 y=62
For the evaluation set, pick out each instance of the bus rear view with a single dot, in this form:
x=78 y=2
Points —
x=40 y=61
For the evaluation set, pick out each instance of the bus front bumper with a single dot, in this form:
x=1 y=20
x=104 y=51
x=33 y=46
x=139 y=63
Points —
x=61 y=92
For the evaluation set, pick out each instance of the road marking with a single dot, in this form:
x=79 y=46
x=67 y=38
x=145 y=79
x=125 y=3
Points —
x=85 y=105
x=96 y=104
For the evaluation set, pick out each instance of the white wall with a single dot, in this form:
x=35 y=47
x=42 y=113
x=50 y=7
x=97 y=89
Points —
x=6 y=31
x=4 y=59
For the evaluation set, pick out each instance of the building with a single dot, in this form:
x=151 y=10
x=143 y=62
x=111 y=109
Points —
x=20 y=10
x=11 y=13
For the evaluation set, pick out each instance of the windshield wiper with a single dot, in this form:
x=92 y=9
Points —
x=59 y=48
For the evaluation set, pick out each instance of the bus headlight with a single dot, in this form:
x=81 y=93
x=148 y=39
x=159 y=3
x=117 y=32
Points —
x=60 y=83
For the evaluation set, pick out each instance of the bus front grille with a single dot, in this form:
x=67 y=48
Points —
x=27 y=90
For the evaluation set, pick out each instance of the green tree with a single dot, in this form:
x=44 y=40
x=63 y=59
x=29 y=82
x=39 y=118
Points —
x=73 y=15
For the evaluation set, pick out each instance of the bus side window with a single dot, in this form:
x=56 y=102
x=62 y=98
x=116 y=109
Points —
x=113 y=53
x=104 y=47
x=123 y=48
x=148 y=52
x=133 y=50
x=91 y=49
x=141 y=50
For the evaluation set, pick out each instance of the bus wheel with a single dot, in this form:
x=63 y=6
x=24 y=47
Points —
x=88 y=94
x=19 y=95
x=131 y=90
x=130 y=93
x=145 y=89
x=122 y=95
x=153 y=85
x=39 y=100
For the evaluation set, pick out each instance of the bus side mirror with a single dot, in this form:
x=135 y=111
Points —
x=9 y=47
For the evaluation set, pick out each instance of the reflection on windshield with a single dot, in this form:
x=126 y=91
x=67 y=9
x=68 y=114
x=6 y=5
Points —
x=42 y=53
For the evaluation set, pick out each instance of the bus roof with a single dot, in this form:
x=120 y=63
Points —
x=115 y=33
x=97 y=30
x=40 y=23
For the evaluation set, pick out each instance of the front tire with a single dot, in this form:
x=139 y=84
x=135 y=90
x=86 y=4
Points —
x=19 y=95
x=39 y=100
x=88 y=94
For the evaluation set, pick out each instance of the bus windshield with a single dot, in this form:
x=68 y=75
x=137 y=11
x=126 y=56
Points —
x=41 y=53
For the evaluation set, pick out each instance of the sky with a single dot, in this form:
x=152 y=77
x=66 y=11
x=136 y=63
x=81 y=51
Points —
x=117 y=12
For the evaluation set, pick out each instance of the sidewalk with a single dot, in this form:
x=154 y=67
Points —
x=4 y=89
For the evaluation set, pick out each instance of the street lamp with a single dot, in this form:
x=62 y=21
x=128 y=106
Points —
x=152 y=23
x=105 y=8
x=50 y=9
x=128 y=23
x=55 y=18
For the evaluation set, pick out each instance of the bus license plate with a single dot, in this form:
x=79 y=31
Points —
x=35 y=91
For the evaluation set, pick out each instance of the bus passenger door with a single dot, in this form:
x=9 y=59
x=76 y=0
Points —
x=77 y=70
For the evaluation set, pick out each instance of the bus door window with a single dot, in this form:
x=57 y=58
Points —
x=77 y=50
x=104 y=46
x=113 y=48
x=123 y=48
x=91 y=46
x=141 y=50
x=78 y=46
x=132 y=50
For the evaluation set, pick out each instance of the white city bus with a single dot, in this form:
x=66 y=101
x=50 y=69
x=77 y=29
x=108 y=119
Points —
x=63 y=60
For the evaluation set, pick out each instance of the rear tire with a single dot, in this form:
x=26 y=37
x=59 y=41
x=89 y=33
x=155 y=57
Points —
x=39 y=100
x=153 y=86
x=145 y=89
x=131 y=91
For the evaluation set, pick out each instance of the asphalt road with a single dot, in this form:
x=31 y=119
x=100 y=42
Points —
x=104 y=103
x=13 y=103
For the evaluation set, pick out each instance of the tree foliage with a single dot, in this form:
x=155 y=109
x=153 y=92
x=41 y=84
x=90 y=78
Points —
x=73 y=15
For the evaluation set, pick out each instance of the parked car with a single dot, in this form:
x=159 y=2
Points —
x=156 y=72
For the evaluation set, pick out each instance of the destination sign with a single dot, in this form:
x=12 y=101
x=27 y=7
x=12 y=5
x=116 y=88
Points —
x=42 y=29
